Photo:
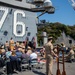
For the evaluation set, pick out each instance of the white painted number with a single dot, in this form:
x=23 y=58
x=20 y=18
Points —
x=18 y=23
x=4 y=16
x=15 y=22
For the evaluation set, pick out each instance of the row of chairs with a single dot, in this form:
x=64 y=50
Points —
x=32 y=64
x=25 y=65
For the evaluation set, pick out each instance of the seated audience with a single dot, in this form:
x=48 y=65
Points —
x=33 y=55
x=25 y=56
x=70 y=56
x=8 y=53
x=13 y=56
x=11 y=65
x=29 y=50
x=19 y=53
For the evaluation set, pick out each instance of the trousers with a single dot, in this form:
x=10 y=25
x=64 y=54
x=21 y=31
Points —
x=49 y=64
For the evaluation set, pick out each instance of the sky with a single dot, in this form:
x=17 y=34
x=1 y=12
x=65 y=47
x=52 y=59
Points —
x=64 y=13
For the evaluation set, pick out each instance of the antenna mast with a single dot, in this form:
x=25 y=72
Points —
x=72 y=2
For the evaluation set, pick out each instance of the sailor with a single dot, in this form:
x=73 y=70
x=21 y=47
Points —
x=11 y=44
x=49 y=56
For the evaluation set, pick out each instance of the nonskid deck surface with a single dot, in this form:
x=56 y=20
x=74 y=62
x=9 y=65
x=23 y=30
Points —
x=69 y=67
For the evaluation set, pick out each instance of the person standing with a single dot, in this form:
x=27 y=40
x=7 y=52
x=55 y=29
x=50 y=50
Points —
x=11 y=44
x=49 y=56
x=63 y=47
x=6 y=45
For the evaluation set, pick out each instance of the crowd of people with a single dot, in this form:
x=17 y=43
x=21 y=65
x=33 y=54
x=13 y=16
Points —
x=57 y=51
x=12 y=54
x=68 y=51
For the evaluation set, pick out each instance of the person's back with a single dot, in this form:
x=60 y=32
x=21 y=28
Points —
x=13 y=62
x=13 y=58
x=8 y=53
x=63 y=47
x=19 y=53
x=33 y=56
x=29 y=50
x=25 y=56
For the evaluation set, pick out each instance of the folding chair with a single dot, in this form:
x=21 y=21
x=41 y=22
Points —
x=34 y=63
x=24 y=64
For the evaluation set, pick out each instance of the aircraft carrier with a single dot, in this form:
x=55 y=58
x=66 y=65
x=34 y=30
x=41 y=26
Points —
x=18 y=18
x=17 y=21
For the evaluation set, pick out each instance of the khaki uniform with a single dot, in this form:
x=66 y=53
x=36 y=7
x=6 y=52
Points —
x=70 y=55
x=11 y=44
x=49 y=58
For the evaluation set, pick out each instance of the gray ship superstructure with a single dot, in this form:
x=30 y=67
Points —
x=17 y=21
